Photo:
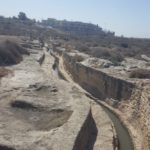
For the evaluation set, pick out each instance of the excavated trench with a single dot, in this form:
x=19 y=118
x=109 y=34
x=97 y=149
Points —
x=57 y=71
x=88 y=134
x=124 y=141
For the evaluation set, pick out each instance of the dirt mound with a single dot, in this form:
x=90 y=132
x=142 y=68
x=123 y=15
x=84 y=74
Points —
x=11 y=53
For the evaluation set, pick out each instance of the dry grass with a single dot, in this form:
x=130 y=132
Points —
x=140 y=73
x=107 y=53
x=11 y=53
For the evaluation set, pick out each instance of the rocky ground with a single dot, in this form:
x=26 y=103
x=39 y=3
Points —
x=41 y=111
x=45 y=104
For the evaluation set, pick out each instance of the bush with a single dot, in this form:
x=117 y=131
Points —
x=100 y=52
x=140 y=73
x=11 y=53
x=81 y=47
x=113 y=56
x=116 y=58
x=124 y=45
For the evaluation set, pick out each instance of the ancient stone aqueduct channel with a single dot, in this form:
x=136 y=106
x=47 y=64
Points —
x=103 y=87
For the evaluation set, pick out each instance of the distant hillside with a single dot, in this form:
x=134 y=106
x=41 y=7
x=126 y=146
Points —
x=15 y=26
x=23 y=26
x=78 y=28
x=85 y=37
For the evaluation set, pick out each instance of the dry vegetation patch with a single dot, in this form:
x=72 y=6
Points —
x=11 y=53
x=140 y=73
x=107 y=53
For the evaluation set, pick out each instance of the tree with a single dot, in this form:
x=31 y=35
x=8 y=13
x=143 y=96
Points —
x=22 y=16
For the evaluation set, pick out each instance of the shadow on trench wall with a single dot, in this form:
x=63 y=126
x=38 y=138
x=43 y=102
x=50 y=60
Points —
x=87 y=135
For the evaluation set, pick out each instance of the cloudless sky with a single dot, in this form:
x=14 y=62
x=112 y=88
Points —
x=125 y=17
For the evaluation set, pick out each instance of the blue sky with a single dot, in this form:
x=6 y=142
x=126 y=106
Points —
x=125 y=17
